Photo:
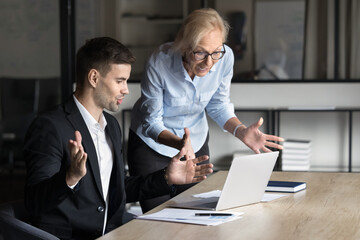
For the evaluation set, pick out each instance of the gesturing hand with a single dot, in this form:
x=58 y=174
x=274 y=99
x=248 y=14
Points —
x=78 y=157
x=184 y=172
x=189 y=151
x=256 y=140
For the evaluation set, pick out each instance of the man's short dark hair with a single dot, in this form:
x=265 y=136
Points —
x=100 y=53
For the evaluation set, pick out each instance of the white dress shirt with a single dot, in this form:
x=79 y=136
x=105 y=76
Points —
x=104 y=150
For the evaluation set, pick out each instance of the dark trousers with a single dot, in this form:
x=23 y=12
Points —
x=142 y=160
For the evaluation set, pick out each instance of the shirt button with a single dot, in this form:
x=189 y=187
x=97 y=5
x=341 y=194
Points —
x=100 y=209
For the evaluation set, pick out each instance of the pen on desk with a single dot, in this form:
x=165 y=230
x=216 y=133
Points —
x=213 y=214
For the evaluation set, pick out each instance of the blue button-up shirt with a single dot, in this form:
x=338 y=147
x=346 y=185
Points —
x=171 y=100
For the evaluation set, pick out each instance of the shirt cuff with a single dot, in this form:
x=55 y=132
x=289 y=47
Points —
x=223 y=119
x=172 y=188
x=73 y=186
x=155 y=131
x=221 y=114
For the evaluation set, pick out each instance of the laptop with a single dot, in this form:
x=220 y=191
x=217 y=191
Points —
x=245 y=183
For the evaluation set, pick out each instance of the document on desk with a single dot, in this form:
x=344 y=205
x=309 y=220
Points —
x=199 y=217
x=216 y=193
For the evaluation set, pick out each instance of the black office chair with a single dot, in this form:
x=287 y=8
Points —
x=14 y=223
x=19 y=104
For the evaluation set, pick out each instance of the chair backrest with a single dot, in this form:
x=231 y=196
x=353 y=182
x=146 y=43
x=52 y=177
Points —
x=14 y=223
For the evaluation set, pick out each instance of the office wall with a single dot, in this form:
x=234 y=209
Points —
x=30 y=35
x=327 y=130
x=30 y=40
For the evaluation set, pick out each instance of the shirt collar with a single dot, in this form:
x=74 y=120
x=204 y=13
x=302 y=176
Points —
x=178 y=63
x=89 y=119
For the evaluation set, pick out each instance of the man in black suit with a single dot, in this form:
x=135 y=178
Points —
x=76 y=185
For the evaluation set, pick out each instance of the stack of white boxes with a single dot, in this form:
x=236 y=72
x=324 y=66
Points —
x=296 y=155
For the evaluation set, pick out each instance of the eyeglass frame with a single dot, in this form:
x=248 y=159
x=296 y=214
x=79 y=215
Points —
x=210 y=54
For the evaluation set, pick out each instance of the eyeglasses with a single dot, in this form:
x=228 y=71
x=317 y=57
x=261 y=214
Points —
x=215 y=55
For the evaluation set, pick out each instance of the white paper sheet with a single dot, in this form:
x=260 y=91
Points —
x=269 y=197
x=216 y=193
x=188 y=216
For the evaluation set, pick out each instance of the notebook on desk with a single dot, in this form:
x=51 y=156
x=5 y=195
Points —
x=245 y=183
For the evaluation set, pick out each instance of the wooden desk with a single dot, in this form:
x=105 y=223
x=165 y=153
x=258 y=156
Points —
x=328 y=209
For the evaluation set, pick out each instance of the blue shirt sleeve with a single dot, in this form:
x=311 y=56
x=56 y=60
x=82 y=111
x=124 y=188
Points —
x=152 y=106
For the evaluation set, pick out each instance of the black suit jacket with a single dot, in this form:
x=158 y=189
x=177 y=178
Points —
x=78 y=213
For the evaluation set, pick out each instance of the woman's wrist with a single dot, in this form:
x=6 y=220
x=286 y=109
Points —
x=169 y=139
x=239 y=126
x=238 y=129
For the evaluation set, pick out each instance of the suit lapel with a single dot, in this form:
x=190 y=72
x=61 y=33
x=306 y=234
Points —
x=79 y=124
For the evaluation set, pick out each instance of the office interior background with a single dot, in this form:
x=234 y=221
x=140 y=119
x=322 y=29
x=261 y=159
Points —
x=297 y=66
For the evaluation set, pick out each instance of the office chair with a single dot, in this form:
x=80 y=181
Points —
x=19 y=104
x=14 y=223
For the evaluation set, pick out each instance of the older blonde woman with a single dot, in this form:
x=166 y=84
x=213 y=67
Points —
x=183 y=81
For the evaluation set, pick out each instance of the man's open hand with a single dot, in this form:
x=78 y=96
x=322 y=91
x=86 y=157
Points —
x=184 y=172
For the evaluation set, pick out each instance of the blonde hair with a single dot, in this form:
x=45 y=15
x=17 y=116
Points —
x=196 y=26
